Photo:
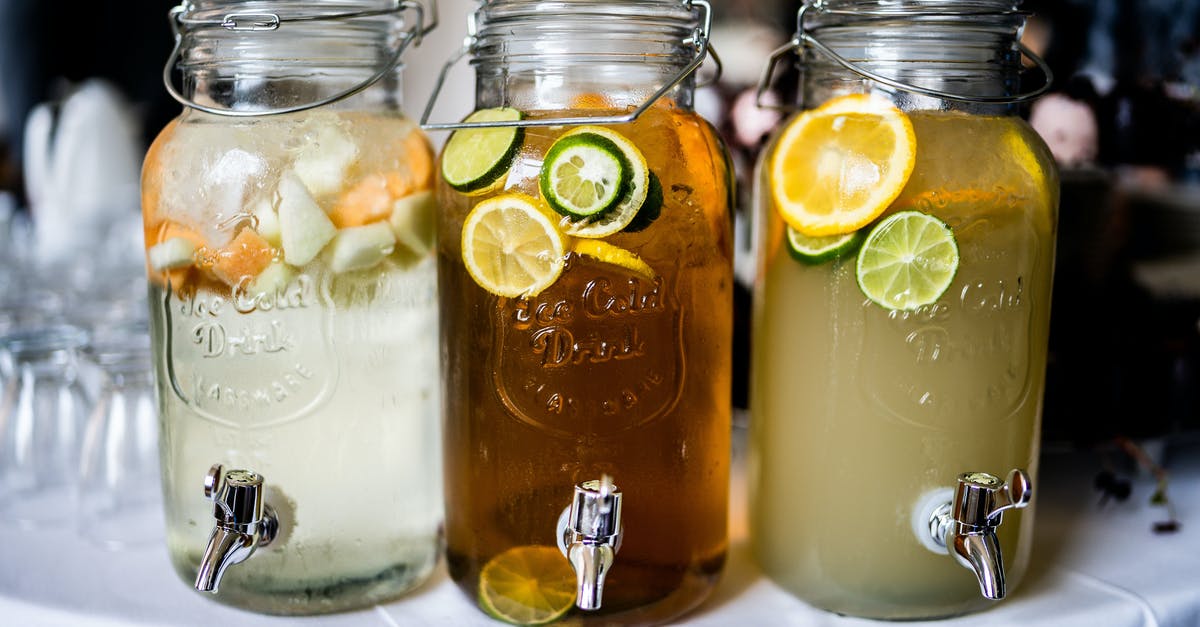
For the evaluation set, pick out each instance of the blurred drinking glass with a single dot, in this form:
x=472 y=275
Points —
x=42 y=412
x=120 y=501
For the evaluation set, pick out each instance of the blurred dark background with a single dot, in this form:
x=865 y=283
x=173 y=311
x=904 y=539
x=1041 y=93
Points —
x=1123 y=121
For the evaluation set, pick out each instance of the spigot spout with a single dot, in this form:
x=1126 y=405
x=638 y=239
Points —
x=589 y=535
x=591 y=563
x=225 y=548
x=243 y=523
x=966 y=527
x=981 y=554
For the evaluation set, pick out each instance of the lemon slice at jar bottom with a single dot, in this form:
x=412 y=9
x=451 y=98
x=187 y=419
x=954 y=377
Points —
x=908 y=260
x=527 y=585
x=818 y=250
x=837 y=167
x=474 y=158
x=614 y=255
x=511 y=248
x=636 y=192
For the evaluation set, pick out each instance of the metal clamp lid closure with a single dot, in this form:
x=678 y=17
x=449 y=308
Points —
x=804 y=38
x=181 y=23
x=699 y=41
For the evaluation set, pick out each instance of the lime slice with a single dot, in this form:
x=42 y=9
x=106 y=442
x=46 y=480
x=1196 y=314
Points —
x=908 y=260
x=584 y=175
x=613 y=255
x=475 y=158
x=635 y=195
x=511 y=247
x=527 y=585
x=651 y=208
x=818 y=250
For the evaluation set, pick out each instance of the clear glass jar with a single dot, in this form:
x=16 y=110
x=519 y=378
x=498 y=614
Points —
x=617 y=366
x=293 y=307
x=864 y=415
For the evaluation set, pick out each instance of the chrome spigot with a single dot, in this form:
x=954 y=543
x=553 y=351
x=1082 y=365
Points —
x=589 y=535
x=244 y=523
x=966 y=527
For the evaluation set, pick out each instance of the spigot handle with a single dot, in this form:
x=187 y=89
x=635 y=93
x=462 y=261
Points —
x=981 y=498
x=1016 y=492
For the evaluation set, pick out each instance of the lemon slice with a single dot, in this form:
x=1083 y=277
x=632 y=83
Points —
x=908 y=260
x=837 y=167
x=818 y=250
x=636 y=193
x=527 y=585
x=511 y=247
x=614 y=255
x=475 y=158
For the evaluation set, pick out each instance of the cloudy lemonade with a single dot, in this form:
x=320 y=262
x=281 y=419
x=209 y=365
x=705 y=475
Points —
x=859 y=410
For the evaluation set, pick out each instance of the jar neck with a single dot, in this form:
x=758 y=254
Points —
x=538 y=55
x=964 y=47
x=298 y=63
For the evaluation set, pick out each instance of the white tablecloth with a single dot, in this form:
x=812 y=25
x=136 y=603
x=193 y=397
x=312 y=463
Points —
x=1092 y=567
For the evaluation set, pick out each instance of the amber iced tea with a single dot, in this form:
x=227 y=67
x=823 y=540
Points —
x=604 y=372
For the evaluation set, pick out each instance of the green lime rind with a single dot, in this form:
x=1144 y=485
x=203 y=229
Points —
x=569 y=157
x=818 y=250
x=908 y=260
x=475 y=158
x=651 y=208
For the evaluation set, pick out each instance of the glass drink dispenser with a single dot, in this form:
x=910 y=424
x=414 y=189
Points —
x=585 y=269
x=289 y=224
x=906 y=237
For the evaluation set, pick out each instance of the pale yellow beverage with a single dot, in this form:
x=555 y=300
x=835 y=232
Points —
x=860 y=415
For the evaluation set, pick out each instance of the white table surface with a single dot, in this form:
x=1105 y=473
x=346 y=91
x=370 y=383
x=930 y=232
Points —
x=1092 y=567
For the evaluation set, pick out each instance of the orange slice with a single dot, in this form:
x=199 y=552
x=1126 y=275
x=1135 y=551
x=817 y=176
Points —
x=837 y=167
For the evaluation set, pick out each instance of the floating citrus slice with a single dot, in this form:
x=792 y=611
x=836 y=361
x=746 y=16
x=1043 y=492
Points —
x=636 y=194
x=837 y=167
x=475 y=158
x=527 y=585
x=614 y=255
x=511 y=247
x=818 y=250
x=908 y=260
x=583 y=176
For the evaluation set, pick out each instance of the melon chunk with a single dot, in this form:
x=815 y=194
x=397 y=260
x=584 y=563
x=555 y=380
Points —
x=304 y=229
x=360 y=247
x=412 y=222
x=266 y=221
x=322 y=162
x=175 y=252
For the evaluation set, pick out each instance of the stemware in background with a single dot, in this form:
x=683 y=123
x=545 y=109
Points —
x=120 y=501
x=42 y=412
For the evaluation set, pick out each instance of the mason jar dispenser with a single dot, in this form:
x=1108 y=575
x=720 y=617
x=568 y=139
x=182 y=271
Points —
x=586 y=287
x=289 y=230
x=906 y=235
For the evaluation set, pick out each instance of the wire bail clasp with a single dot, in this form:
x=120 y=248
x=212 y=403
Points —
x=699 y=40
x=182 y=23
x=804 y=38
